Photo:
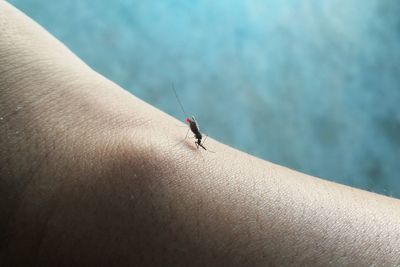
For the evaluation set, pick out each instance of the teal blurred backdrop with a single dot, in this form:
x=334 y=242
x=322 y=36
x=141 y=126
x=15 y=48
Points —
x=313 y=85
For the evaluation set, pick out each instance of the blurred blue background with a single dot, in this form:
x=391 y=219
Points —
x=313 y=85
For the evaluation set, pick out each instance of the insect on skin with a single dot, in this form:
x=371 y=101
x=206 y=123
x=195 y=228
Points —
x=194 y=126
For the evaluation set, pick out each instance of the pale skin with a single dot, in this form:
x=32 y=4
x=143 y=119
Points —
x=90 y=174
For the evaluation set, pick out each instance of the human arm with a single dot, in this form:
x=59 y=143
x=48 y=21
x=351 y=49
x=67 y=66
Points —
x=90 y=174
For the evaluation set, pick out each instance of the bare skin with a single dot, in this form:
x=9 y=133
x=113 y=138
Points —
x=90 y=174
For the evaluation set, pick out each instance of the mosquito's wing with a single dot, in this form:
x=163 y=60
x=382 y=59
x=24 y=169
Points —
x=197 y=124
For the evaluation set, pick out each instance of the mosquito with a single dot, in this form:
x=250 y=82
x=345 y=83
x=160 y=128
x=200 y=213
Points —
x=193 y=126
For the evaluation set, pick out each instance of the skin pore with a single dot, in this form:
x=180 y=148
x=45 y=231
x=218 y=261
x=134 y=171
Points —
x=90 y=174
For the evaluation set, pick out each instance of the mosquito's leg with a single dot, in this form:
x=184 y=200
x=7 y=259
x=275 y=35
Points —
x=186 y=135
x=205 y=139
x=183 y=139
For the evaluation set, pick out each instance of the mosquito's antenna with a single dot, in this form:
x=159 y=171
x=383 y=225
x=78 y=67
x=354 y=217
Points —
x=177 y=98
